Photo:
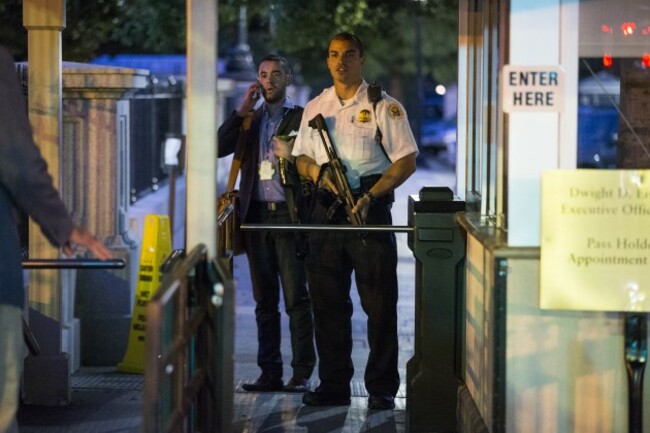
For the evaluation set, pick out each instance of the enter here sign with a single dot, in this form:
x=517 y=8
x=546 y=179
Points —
x=532 y=88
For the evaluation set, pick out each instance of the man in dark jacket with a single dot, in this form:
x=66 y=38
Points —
x=270 y=193
x=26 y=184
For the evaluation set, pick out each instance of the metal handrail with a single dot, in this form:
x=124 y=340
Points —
x=225 y=229
x=28 y=335
x=327 y=227
x=73 y=264
x=225 y=213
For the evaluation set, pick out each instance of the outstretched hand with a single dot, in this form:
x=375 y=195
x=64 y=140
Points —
x=83 y=238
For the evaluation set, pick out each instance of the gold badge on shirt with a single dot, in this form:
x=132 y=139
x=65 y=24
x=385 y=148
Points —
x=363 y=116
x=394 y=111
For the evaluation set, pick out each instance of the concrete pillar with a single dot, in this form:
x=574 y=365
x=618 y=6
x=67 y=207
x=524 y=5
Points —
x=201 y=125
x=95 y=184
x=44 y=20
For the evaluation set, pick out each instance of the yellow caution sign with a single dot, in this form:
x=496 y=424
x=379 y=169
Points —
x=156 y=247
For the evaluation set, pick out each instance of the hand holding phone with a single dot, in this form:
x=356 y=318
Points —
x=258 y=91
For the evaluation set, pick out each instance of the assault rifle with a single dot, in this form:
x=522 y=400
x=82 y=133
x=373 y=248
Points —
x=337 y=170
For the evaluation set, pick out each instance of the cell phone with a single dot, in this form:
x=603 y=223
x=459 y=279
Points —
x=259 y=92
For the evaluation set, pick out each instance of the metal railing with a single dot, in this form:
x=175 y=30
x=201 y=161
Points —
x=188 y=374
x=155 y=111
x=226 y=229
x=327 y=228
x=189 y=341
x=28 y=335
x=73 y=264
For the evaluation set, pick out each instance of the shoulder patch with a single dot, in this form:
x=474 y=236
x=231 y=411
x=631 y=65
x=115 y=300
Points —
x=394 y=111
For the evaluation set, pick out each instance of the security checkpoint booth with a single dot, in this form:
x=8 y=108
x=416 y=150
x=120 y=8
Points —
x=555 y=293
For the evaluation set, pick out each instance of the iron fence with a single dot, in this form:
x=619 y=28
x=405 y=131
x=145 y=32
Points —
x=156 y=112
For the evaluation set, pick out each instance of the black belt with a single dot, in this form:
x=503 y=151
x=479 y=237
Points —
x=271 y=206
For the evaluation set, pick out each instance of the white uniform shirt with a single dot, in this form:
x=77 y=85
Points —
x=352 y=127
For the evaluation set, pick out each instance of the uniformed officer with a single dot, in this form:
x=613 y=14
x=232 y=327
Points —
x=375 y=143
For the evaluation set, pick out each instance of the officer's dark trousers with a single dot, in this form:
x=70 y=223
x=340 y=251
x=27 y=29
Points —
x=272 y=260
x=332 y=258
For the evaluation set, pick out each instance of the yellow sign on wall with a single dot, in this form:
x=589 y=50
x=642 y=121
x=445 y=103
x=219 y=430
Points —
x=595 y=240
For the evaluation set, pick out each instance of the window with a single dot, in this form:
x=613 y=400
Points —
x=478 y=114
x=614 y=84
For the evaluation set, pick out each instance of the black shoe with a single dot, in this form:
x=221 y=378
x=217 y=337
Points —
x=265 y=384
x=381 y=402
x=297 y=384
x=322 y=398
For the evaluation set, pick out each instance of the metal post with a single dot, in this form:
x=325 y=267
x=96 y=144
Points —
x=418 y=73
x=636 y=353
x=432 y=374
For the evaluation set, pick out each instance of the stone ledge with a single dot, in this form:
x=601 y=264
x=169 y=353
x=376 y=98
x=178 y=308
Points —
x=85 y=77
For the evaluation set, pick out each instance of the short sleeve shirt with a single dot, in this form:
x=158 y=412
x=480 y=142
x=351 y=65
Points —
x=353 y=127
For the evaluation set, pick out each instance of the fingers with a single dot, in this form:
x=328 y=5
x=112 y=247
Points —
x=253 y=92
x=83 y=238
x=67 y=250
x=251 y=96
x=326 y=181
x=362 y=206
x=332 y=186
x=282 y=148
x=99 y=250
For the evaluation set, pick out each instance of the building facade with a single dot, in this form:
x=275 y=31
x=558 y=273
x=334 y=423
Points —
x=523 y=102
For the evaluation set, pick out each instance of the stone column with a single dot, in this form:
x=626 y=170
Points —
x=44 y=20
x=95 y=186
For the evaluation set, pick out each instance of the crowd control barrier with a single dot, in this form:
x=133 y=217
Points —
x=189 y=341
x=189 y=369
